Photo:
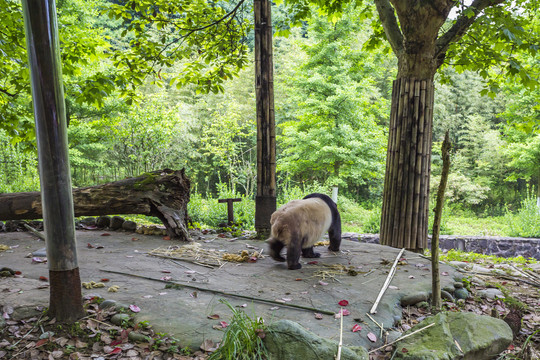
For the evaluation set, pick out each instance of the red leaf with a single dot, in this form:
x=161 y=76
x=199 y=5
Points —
x=343 y=303
x=116 y=350
x=313 y=262
x=356 y=328
x=90 y=246
x=105 y=280
x=223 y=324
x=115 y=342
x=511 y=347
x=213 y=316
x=167 y=238
x=41 y=342
x=18 y=273
x=43 y=278
x=404 y=350
x=372 y=337
x=105 y=234
x=134 y=308
x=298 y=279
x=165 y=271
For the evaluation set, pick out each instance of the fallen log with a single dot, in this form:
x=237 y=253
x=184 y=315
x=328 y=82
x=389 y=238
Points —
x=163 y=194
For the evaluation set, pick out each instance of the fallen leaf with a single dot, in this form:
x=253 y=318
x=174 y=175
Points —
x=38 y=260
x=43 y=278
x=105 y=280
x=252 y=259
x=298 y=279
x=404 y=350
x=372 y=337
x=194 y=294
x=444 y=273
x=345 y=312
x=209 y=346
x=213 y=316
x=134 y=308
x=167 y=238
x=90 y=246
x=393 y=287
x=274 y=308
x=105 y=234
x=356 y=328
x=322 y=283
x=41 y=342
x=116 y=350
x=166 y=278
x=134 y=239
x=286 y=299
x=411 y=277
x=165 y=271
x=318 y=316
x=313 y=263
x=343 y=303
x=223 y=324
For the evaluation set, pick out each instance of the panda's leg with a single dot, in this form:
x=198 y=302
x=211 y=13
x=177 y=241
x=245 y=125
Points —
x=334 y=232
x=293 y=253
x=275 y=249
x=309 y=253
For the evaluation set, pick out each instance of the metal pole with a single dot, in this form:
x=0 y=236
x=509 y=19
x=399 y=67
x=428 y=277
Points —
x=55 y=177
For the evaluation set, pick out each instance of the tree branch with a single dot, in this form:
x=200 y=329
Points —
x=460 y=27
x=7 y=92
x=390 y=25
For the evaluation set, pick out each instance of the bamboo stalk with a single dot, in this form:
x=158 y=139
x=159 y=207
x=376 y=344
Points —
x=401 y=338
x=386 y=283
x=435 y=275
x=258 y=299
x=338 y=356
x=34 y=231
x=404 y=162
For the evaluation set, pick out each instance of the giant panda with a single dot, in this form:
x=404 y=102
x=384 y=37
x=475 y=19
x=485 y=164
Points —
x=299 y=224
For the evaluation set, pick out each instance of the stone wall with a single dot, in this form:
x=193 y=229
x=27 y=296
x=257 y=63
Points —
x=489 y=245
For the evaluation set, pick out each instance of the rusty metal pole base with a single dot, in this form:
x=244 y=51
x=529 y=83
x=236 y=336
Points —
x=264 y=208
x=65 y=304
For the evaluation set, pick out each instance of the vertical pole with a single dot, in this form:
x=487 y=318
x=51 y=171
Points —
x=265 y=201
x=51 y=133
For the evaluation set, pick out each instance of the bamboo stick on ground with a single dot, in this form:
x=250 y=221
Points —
x=386 y=283
x=222 y=292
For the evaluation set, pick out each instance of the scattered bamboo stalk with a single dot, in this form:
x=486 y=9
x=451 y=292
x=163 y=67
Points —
x=401 y=338
x=386 y=283
x=34 y=232
x=338 y=356
x=219 y=292
x=376 y=323
x=211 y=266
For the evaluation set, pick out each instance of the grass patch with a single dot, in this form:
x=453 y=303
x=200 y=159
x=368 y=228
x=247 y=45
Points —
x=457 y=255
x=242 y=339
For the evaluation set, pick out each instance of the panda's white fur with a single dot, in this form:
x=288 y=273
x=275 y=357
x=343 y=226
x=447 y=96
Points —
x=310 y=217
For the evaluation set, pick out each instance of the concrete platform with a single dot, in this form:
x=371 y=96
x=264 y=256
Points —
x=184 y=313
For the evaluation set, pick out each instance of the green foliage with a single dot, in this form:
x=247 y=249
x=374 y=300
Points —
x=209 y=213
x=241 y=340
x=526 y=221
x=18 y=167
x=334 y=108
x=457 y=255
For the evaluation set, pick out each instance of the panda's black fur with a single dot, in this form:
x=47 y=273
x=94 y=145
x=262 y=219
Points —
x=299 y=224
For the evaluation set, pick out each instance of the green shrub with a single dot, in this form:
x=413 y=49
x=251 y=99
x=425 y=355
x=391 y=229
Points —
x=242 y=339
x=526 y=222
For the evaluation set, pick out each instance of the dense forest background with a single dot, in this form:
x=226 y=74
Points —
x=332 y=101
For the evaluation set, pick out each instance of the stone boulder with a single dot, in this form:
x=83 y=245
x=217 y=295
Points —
x=479 y=338
x=287 y=340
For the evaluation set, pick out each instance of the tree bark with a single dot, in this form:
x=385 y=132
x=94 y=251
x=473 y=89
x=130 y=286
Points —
x=404 y=219
x=164 y=194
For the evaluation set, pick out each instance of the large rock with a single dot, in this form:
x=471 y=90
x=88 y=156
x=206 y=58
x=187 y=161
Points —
x=287 y=340
x=479 y=337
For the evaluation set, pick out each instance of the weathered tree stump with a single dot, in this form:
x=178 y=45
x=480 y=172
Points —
x=163 y=194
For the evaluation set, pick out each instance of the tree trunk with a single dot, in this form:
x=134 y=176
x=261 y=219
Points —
x=164 y=194
x=265 y=201
x=404 y=219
